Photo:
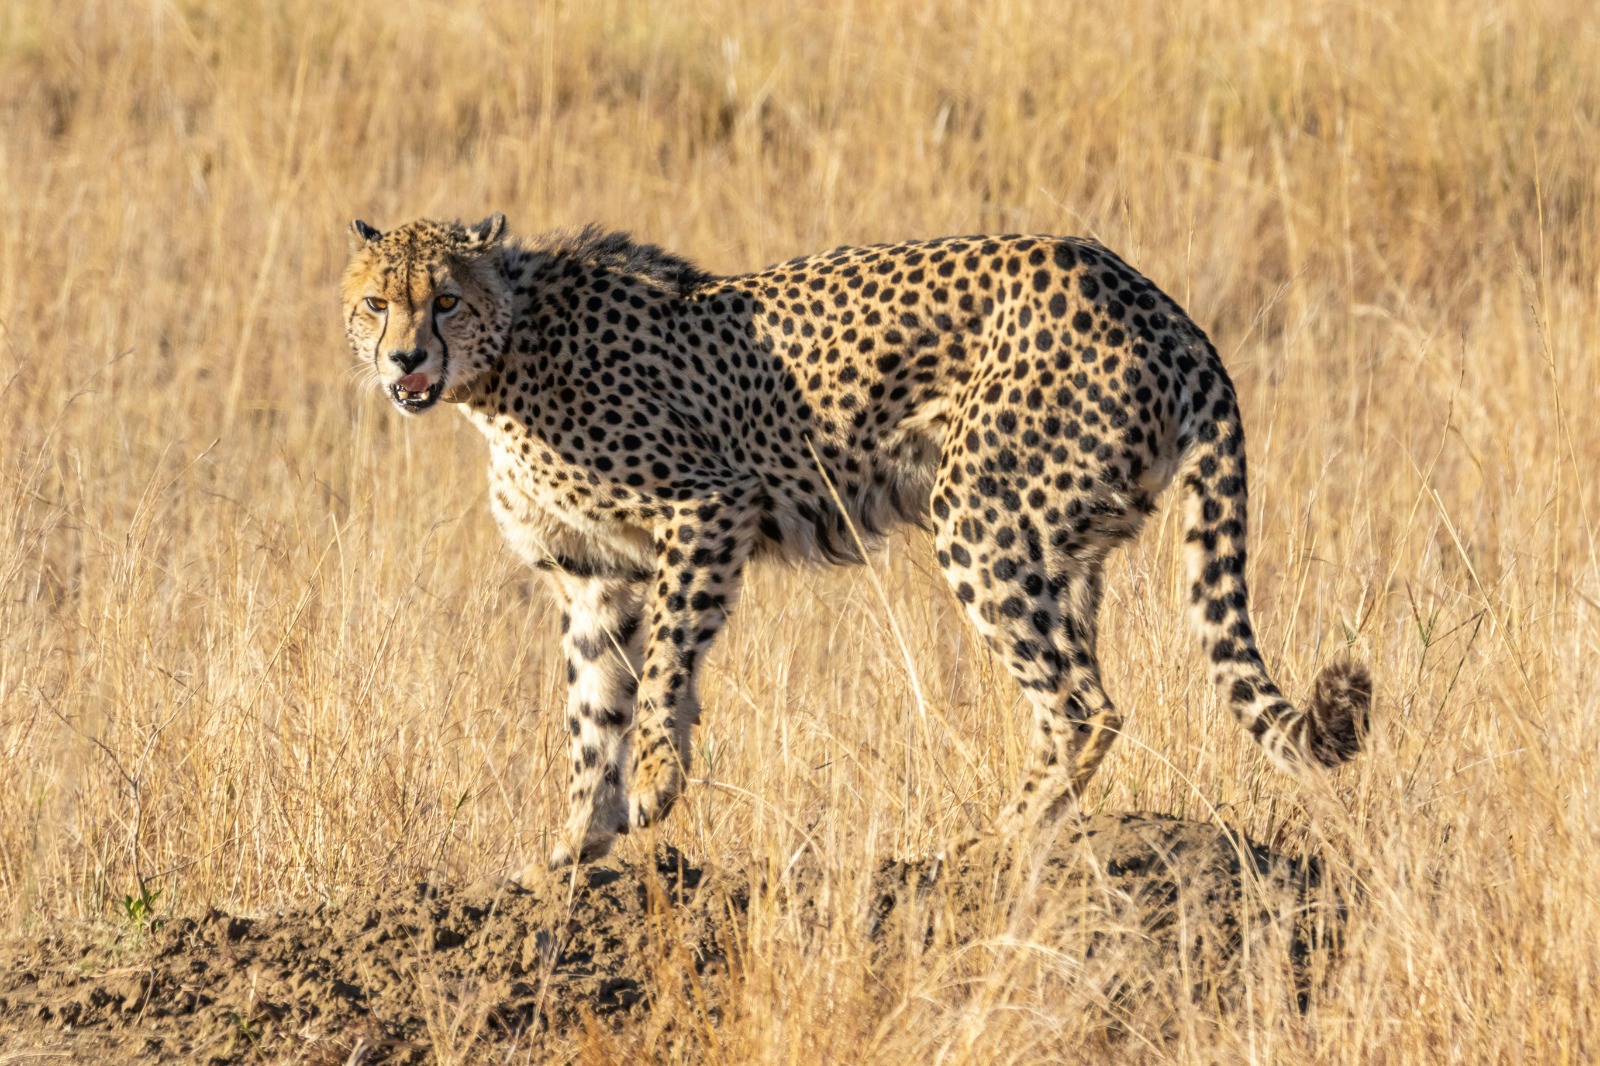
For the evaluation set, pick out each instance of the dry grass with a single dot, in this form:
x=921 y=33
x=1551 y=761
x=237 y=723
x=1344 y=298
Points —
x=260 y=642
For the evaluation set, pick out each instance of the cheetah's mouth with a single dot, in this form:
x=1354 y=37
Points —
x=413 y=394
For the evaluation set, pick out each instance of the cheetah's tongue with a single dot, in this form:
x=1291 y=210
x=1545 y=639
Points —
x=415 y=383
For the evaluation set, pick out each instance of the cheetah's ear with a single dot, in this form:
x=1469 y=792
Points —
x=361 y=233
x=485 y=234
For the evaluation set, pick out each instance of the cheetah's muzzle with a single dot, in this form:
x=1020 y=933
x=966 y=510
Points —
x=415 y=401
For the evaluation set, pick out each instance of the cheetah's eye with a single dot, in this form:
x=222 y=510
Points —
x=446 y=302
x=377 y=306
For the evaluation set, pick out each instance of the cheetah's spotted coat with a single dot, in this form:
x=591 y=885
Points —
x=653 y=429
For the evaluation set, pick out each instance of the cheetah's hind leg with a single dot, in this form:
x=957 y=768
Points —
x=1037 y=609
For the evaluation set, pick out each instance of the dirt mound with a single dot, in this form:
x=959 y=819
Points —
x=392 y=979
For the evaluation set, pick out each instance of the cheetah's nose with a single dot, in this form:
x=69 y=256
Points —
x=408 y=360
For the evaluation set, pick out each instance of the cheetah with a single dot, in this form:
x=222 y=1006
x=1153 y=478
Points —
x=654 y=429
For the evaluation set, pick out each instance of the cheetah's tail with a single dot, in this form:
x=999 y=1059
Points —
x=1330 y=729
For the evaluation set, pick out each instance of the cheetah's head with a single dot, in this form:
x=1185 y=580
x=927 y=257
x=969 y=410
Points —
x=428 y=304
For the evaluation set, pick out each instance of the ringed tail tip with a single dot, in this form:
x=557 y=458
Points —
x=1337 y=713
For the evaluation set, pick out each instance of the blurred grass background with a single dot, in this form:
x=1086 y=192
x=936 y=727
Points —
x=260 y=643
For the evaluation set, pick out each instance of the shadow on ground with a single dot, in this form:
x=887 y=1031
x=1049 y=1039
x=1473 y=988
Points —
x=393 y=979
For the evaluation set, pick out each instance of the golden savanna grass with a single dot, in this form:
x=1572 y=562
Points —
x=261 y=645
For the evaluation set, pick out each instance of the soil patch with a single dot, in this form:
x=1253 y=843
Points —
x=392 y=979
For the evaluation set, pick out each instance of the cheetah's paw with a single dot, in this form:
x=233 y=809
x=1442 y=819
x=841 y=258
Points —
x=656 y=787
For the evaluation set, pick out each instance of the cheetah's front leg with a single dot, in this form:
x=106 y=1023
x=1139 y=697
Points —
x=604 y=648
x=697 y=582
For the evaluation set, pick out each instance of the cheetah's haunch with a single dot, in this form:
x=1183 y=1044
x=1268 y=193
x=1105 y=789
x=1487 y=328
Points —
x=652 y=429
